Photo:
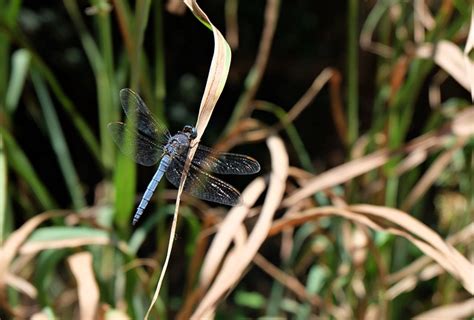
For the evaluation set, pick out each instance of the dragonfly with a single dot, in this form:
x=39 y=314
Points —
x=148 y=141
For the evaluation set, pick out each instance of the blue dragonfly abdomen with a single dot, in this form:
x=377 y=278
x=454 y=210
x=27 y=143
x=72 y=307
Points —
x=162 y=168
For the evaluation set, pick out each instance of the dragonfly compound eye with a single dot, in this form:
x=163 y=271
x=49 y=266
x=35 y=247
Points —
x=191 y=130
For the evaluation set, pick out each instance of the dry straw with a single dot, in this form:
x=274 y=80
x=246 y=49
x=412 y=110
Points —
x=216 y=79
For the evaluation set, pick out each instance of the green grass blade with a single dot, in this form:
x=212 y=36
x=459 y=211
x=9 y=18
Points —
x=104 y=79
x=90 y=47
x=3 y=189
x=160 y=85
x=142 y=11
x=77 y=119
x=106 y=87
x=45 y=267
x=353 y=72
x=21 y=63
x=125 y=182
x=8 y=16
x=58 y=142
x=18 y=161
x=66 y=233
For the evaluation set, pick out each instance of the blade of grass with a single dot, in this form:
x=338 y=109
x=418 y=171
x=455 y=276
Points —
x=255 y=75
x=291 y=131
x=58 y=142
x=226 y=231
x=456 y=310
x=88 y=290
x=11 y=246
x=467 y=49
x=232 y=23
x=3 y=189
x=107 y=95
x=431 y=175
x=81 y=125
x=21 y=63
x=22 y=166
x=352 y=72
x=8 y=14
x=45 y=270
x=86 y=132
x=104 y=80
x=235 y=264
x=215 y=83
x=160 y=83
x=142 y=11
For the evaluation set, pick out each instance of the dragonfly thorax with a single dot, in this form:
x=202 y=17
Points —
x=177 y=144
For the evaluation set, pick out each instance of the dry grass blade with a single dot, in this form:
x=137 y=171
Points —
x=235 y=265
x=88 y=290
x=466 y=235
x=430 y=242
x=398 y=223
x=337 y=107
x=431 y=175
x=461 y=126
x=339 y=175
x=316 y=213
x=459 y=310
x=449 y=57
x=218 y=71
x=21 y=285
x=467 y=49
x=256 y=73
x=227 y=230
x=216 y=79
x=11 y=246
x=423 y=269
x=287 y=280
x=307 y=98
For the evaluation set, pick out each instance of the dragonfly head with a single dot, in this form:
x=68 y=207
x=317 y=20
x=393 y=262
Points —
x=191 y=131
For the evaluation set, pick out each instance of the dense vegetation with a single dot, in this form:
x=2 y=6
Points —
x=360 y=113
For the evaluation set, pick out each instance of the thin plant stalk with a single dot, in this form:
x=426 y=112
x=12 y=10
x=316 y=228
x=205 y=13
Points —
x=352 y=72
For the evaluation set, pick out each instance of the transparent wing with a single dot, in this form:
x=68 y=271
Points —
x=147 y=125
x=224 y=163
x=202 y=185
x=143 y=150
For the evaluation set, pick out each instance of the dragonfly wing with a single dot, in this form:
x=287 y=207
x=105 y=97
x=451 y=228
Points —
x=143 y=150
x=224 y=163
x=147 y=125
x=202 y=185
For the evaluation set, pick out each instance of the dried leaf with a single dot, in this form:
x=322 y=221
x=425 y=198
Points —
x=450 y=58
x=21 y=285
x=398 y=223
x=227 y=230
x=463 y=123
x=431 y=175
x=235 y=264
x=216 y=79
x=88 y=290
x=458 y=310
x=431 y=243
x=356 y=167
x=10 y=248
x=467 y=49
